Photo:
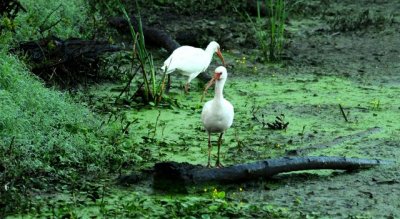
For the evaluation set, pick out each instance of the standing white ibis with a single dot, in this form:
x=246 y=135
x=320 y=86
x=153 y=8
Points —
x=191 y=61
x=217 y=114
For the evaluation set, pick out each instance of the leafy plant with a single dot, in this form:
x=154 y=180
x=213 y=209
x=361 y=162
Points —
x=270 y=29
x=41 y=132
x=153 y=90
x=46 y=18
x=141 y=205
x=375 y=105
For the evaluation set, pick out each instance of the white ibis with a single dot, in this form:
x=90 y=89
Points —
x=191 y=61
x=217 y=114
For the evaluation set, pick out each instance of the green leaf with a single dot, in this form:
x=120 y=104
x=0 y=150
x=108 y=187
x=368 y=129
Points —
x=213 y=208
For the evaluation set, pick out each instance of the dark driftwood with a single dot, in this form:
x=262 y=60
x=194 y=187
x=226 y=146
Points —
x=174 y=175
x=153 y=36
x=65 y=60
x=252 y=7
x=53 y=50
x=336 y=141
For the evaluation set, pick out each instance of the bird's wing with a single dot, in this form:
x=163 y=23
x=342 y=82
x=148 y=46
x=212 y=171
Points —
x=230 y=112
x=187 y=59
x=205 y=110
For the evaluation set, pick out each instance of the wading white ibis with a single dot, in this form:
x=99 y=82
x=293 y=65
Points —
x=217 y=114
x=191 y=61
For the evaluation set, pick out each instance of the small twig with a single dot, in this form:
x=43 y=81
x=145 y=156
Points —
x=279 y=123
x=127 y=126
x=41 y=26
x=127 y=85
x=155 y=126
x=240 y=143
x=49 y=27
x=343 y=113
x=303 y=130
x=254 y=110
x=161 y=88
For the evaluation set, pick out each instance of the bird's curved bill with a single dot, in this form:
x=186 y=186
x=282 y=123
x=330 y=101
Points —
x=209 y=84
x=219 y=54
x=216 y=77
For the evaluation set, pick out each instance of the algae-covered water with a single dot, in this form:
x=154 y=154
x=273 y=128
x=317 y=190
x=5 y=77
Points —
x=310 y=104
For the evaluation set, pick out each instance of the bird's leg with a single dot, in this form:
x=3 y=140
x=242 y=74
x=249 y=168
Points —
x=209 y=149
x=187 y=85
x=218 y=164
x=187 y=88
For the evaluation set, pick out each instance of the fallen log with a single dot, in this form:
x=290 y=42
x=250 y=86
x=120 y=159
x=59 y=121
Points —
x=176 y=176
x=65 y=61
x=152 y=36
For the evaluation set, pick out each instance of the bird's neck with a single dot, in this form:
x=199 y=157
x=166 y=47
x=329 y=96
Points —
x=210 y=52
x=219 y=88
x=210 y=49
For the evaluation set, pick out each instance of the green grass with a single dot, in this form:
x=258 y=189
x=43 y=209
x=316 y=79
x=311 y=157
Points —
x=41 y=132
x=209 y=203
x=270 y=29
x=48 y=142
x=46 y=18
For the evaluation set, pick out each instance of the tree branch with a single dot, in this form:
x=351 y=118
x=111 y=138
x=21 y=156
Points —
x=175 y=176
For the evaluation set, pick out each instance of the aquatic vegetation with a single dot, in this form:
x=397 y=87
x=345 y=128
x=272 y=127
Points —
x=270 y=30
x=152 y=90
x=375 y=104
x=128 y=204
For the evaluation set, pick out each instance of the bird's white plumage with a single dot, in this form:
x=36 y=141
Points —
x=190 y=61
x=217 y=114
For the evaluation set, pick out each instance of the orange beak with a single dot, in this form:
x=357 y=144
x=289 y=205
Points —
x=219 y=54
x=216 y=77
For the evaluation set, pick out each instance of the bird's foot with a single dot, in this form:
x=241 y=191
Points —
x=208 y=165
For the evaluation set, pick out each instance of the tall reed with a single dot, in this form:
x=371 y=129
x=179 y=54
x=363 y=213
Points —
x=270 y=29
x=153 y=91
